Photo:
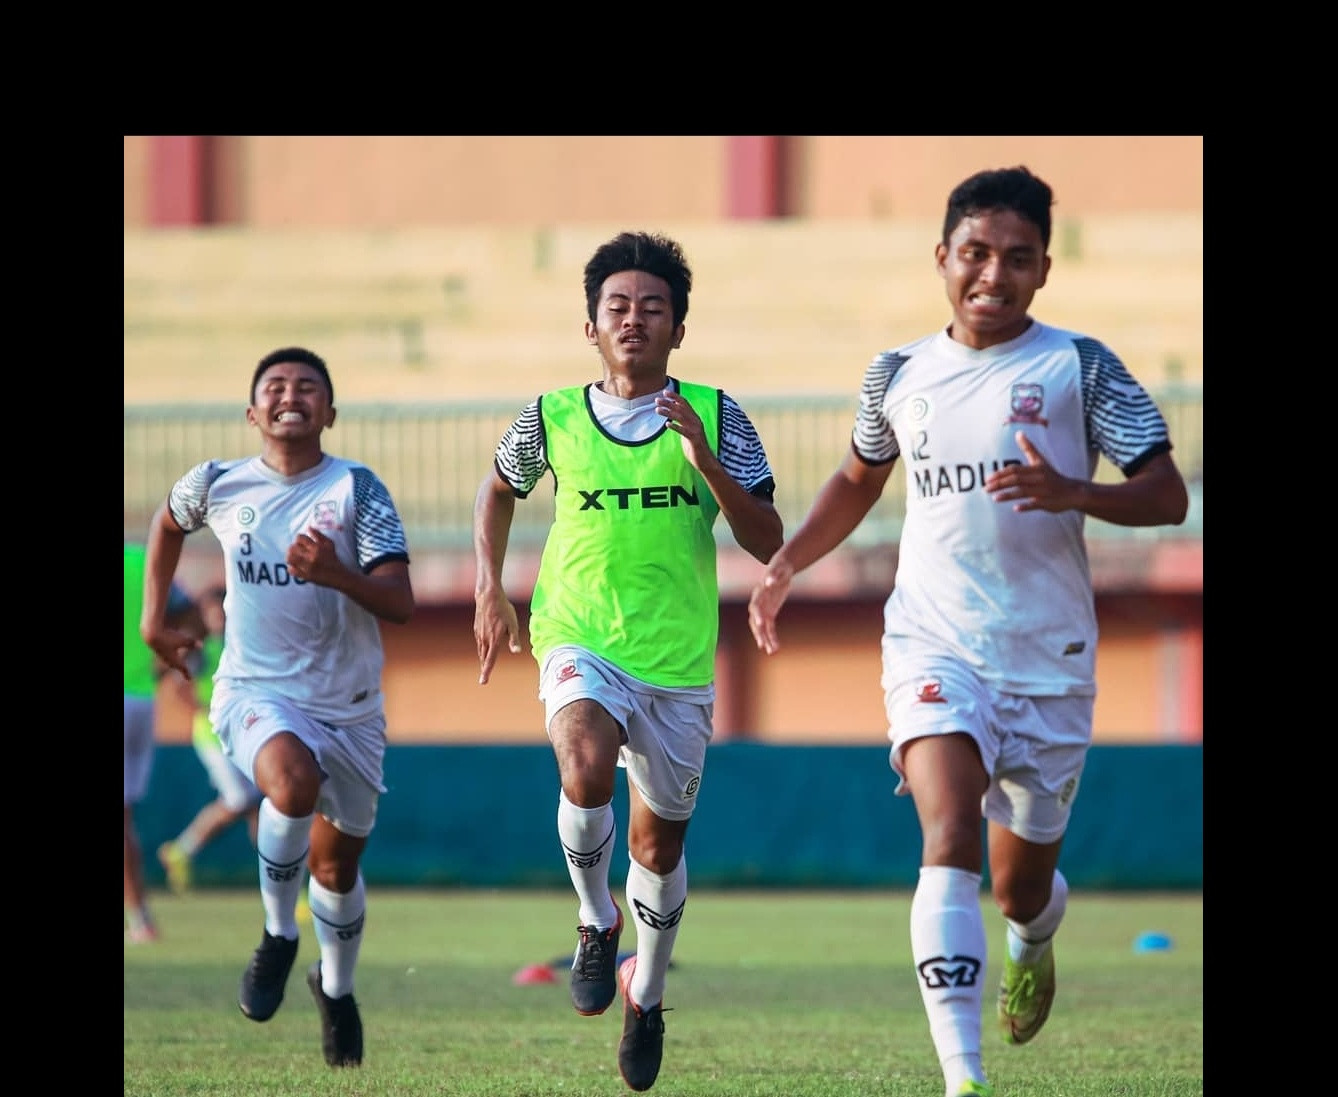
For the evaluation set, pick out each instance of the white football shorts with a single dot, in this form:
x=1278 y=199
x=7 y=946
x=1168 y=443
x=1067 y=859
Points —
x=234 y=788
x=1033 y=748
x=667 y=730
x=350 y=756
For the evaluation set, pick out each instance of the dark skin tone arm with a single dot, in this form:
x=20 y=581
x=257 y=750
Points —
x=1153 y=496
x=842 y=503
x=386 y=591
x=755 y=522
x=494 y=615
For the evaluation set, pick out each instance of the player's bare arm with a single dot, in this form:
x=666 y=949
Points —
x=1155 y=495
x=756 y=523
x=385 y=591
x=840 y=506
x=495 y=620
x=162 y=553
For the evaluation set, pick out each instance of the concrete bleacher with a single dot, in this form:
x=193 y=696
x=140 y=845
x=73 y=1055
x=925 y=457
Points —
x=458 y=314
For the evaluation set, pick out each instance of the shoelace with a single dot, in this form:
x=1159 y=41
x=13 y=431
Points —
x=594 y=947
x=1021 y=992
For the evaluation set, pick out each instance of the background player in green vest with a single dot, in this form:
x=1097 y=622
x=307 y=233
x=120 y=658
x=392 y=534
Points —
x=625 y=612
x=142 y=671
x=237 y=796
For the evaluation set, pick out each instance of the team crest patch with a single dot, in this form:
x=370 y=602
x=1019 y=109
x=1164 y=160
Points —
x=323 y=516
x=1026 y=404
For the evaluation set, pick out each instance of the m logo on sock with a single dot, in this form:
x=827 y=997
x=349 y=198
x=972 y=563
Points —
x=940 y=973
x=654 y=919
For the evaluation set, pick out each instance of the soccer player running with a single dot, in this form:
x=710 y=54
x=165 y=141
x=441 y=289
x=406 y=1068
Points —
x=142 y=671
x=625 y=610
x=990 y=631
x=316 y=558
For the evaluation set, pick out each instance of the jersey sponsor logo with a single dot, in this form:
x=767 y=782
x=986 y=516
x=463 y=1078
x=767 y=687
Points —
x=654 y=919
x=266 y=575
x=942 y=972
x=956 y=478
x=1026 y=402
x=657 y=497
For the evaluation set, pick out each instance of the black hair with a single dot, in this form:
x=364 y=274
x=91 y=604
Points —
x=645 y=251
x=1013 y=189
x=292 y=354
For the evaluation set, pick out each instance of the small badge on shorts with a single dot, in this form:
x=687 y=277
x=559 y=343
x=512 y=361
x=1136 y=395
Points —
x=565 y=671
x=931 y=693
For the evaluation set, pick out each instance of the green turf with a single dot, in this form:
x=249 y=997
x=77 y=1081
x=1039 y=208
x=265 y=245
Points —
x=772 y=993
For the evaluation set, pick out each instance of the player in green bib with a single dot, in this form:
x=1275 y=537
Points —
x=237 y=797
x=624 y=615
x=142 y=672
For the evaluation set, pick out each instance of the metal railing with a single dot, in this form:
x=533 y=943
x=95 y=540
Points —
x=433 y=456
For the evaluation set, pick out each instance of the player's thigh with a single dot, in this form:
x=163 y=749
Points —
x=1044 y=745
x=665 y=753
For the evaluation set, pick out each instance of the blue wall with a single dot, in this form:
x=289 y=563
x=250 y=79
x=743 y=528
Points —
x=770 y=816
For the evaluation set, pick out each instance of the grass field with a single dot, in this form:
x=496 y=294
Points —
x=772 y=993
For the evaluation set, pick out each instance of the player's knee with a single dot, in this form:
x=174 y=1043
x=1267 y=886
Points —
x=1019 y=895
x=332 y=873
x=953 y=842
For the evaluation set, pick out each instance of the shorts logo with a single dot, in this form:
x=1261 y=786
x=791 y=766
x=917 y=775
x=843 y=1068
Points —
x=931 y=693
x=1066 y=793
x=250 y=718
x=692 y=786
x=565 y=672
x=940 y=972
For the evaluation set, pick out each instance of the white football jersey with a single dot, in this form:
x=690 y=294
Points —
x=1009 y=593
x=301 y=640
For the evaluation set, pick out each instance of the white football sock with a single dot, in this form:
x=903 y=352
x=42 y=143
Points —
x=587 y=844
x=338 y=920
x=1028 y=943
x=281 y=843
x=655 y=904
x=948 y=948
